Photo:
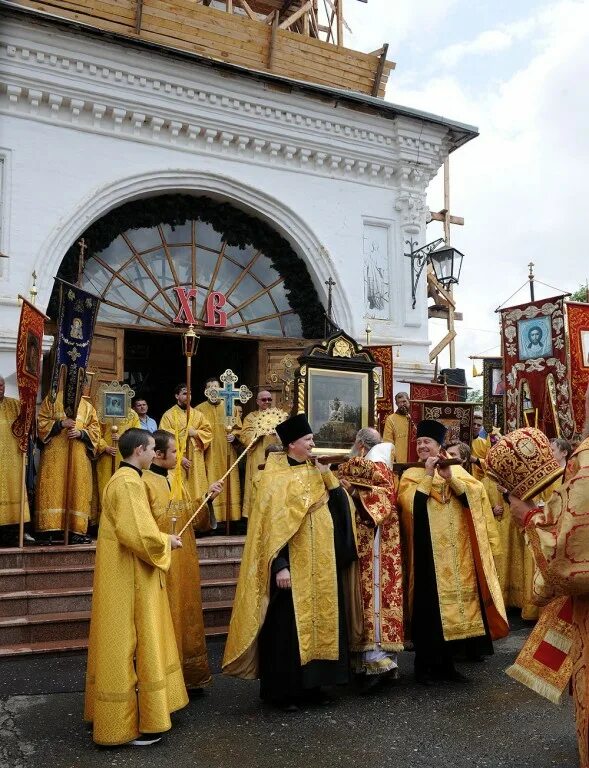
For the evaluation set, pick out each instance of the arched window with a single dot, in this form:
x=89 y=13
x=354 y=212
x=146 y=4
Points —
x=136 y=274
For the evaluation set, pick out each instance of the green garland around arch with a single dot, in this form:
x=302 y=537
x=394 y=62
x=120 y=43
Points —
x=235 y=226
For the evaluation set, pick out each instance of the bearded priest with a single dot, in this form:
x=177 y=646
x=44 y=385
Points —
x=288 y=625
x=454 y=592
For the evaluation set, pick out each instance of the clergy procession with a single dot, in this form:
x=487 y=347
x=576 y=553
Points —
x=286 y=477
x=350 y=559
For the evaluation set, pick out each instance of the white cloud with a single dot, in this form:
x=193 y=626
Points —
x=521 y=186
x=491 y=41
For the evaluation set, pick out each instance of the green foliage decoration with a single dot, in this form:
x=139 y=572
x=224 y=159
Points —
x=236 y=227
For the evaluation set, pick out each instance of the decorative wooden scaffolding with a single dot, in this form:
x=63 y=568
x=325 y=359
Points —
x=298 y=39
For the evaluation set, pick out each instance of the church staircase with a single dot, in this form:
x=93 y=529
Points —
x=46 y=594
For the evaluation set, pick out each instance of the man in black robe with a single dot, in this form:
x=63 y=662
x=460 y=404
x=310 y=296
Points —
x=291 y=676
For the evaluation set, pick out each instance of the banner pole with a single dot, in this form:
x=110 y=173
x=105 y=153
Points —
x=23 y=496
x=66 y=530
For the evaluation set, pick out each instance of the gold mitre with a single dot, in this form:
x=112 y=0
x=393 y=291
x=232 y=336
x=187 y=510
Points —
x=522 y=462
x=266 y=421
x=363 y=473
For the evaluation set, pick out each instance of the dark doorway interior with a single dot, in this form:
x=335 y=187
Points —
x=154 y=365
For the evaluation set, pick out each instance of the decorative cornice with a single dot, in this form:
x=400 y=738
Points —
x=103 y=88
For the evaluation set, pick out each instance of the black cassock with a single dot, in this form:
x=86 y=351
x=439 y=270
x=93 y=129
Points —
x=433 y=654
x=282 y=678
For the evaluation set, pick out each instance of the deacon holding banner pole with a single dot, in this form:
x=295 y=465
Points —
x=28 y=370
x=68 y=424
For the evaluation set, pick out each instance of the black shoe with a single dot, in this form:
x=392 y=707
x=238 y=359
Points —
x=423 y=678
x=287 y=706
x=367 y=683
x=453 y=676
x=317 y=697
x=78 y=538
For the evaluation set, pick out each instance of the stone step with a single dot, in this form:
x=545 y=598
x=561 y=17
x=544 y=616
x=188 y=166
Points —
x=63 y=646
x=217 y=613
x=215 y=590
x=15 y=579
x=44 y=626
x=35 y=601
x=220 y=568
x=220 y=547
x=38 y=557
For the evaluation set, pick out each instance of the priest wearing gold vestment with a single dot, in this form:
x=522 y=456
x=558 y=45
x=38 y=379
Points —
x=453 y=591
x=193 y=439
x=399 y=428
x=134 y=677
x=59 y=492
x=183 y=579
x=288 y=625
x=558 y=536
x=221 y=455
x=257 y=454
x=11 y=465
x=106 y=452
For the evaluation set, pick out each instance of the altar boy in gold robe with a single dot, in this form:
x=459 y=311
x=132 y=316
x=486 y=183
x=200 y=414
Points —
x=453 y=588
x=134 y=678
x=183 y=579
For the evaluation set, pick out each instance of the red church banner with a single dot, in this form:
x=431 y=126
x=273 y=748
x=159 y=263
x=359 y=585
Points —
x=29 y=347
x=578 y=327
x=538 y=391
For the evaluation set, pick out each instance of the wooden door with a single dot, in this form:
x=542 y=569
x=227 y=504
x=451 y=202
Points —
x=273 y=359
x=107 y=356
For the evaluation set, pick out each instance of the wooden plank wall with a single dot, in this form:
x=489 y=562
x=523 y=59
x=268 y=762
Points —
x=230 y=38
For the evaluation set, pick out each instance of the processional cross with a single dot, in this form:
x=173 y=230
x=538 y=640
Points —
x=229 y=395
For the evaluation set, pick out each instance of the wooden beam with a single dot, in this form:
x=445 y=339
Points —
x=448 y=338
x=253 y=16
x=433 y=283
x=441 y=312
x=296 y=15
x=443 y=214
x=138 y=15
x=272 y=45
x=380 y=70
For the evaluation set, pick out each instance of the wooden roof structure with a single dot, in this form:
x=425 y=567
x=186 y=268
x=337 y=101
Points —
x=298 y=39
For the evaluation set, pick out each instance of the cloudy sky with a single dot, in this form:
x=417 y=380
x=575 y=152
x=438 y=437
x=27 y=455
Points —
x=519 y=71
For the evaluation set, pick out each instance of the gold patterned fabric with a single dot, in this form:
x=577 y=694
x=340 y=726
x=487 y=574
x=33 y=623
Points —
x=380 y=570
x=104 y=463
x=183 y=579
x=462 y=555
x=559 y=535
x=174 y=421
x=396 y=431
x=134 y=678
x=291 y=508
x=219 y=458
x=62 y=484
x=256 y=455
x=11 y=466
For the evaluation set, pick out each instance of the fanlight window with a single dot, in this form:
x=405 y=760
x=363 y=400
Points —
x=136 y=275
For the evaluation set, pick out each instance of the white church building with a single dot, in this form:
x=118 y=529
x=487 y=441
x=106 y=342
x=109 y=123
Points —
x=208 y=187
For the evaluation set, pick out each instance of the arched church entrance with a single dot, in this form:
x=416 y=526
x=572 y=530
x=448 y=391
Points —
x=162 y=263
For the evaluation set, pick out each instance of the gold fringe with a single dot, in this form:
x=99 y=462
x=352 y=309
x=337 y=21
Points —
x=558 y=640
x=535 y=683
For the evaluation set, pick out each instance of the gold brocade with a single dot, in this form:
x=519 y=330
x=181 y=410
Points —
x=133 y=679
x=255 y=457
x=104 y=464
x=182 y=581
x=11 y=466
x=479 y=448
x=219 y=458
x=174 y=421
x=396 y=431
x=461 y=550
x=57 y=489
x=291 y=508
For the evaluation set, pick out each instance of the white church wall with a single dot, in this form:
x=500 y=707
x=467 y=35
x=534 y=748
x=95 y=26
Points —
x=88 y=125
